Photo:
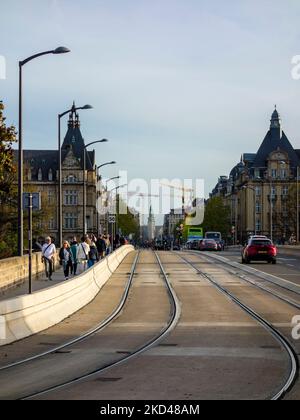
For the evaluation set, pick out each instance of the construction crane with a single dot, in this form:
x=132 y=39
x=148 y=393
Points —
x=180 y=188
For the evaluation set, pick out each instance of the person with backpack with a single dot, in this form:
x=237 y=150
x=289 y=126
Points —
x=74 y=251
x=93 y=255
x=48 y=257
x=101 y=247
x=83 y=254
x=66 y=259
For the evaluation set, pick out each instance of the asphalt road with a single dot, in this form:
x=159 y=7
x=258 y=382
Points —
x=287 y=267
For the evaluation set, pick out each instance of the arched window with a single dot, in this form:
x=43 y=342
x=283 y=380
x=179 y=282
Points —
x=50 y=175
x=71 y=179
x=40 y=175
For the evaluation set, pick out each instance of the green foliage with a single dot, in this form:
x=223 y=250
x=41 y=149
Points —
x=217 y=217
x=128 y=224
x=7 y=168
x=8 y=208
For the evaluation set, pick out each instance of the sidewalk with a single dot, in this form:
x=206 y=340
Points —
x=37 y=284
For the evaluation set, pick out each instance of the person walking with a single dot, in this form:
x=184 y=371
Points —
x=48 y=257
x=101 y=247
x=74 y=251
x=108 y=245
x=66 y=259
x=83 y=254
x=93 y=255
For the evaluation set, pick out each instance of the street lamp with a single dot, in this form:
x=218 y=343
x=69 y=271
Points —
x=112 y=179
x=99 y=177
x=115 y=224
x=60 y=212
x=59 y=50
x=84 y=179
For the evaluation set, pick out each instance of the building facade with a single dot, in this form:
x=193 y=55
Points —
x=172 y=220
x=41 y=174
x=261 y=190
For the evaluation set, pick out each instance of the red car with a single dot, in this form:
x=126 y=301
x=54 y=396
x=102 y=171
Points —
x=261 y=249
x=208 y=245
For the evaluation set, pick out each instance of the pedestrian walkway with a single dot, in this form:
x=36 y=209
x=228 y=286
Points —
x=37 y=284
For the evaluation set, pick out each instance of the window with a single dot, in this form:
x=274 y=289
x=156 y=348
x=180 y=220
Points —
x=258 y=226
x=71 y=198
x=50 y=197
x=51 y=224
x=71 y=179
x=40 y=175
x=257 y=173
x=71 y=221
x=258 y=207
x=283 y=173
x=258 y=191
x=273 y=192
x=29 y=174
x=285 y=190
x=274 y=173
x=50 y=175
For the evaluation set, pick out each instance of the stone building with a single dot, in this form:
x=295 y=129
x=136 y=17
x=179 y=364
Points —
x=41 y=175
x=259 y=188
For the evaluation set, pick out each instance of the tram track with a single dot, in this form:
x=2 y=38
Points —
x=175 y=312
x=293 y=358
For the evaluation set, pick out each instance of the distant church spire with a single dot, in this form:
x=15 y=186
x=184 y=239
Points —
x=276 y=123
x=275 y=119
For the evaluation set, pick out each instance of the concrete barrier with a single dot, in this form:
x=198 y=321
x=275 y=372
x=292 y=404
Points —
x=29 y=314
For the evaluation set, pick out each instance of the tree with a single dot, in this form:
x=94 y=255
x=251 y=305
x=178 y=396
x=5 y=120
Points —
x=8 y=197
x=128 y=223
x=7 y=167
x=217 y=217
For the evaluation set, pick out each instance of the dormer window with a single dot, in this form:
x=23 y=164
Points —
x=50 y=175
x=40 y=175
x=71 y=179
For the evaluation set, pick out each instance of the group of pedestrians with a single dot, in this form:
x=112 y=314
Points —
x=76 y=257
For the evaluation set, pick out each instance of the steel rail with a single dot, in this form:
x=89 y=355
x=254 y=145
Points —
x=174 y=318
x=294 y=365
x=89 y=333
x=259 y=286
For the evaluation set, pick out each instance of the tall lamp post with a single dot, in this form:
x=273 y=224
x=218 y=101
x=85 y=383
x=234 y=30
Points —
x=110 y=179
x=59 y=50
x=84 y=179
x=60 y=212
x=115 y=224
x=99 y=178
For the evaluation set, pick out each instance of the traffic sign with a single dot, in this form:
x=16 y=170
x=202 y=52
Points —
x=36 y=201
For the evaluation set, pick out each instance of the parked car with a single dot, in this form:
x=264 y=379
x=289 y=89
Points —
x=208 y=245
x=259 y=249
x=194 y=245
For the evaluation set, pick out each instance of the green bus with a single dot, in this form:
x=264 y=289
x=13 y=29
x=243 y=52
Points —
x=195 y=233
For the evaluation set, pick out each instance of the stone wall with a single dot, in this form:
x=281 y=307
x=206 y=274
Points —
x=14 y=271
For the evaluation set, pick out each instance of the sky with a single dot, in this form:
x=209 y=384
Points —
x=181 y=88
